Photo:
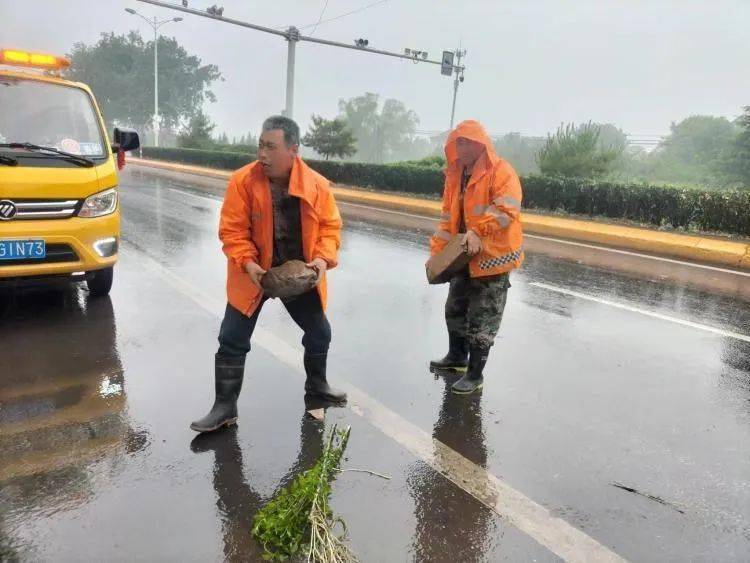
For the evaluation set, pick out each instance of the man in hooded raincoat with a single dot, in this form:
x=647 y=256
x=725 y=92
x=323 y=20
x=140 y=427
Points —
x=275 y=210
x=481 y=202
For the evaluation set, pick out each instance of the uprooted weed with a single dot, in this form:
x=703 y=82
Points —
x=299 y=521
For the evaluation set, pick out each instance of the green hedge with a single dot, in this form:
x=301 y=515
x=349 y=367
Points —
x=199 y=157
x=386 y=177
x=726 y=211
x=414 y=179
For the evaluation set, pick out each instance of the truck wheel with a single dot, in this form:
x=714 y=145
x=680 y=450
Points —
x=101 y=282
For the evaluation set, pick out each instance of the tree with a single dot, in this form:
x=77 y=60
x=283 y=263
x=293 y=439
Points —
x=611 y=135
x=361 y=114
x=632 y=162
x=383 y=134
x=694 y=150
x=248 y=139
x=120 y=71
x=395 y=133
x=198 y=133
x=519 y=151
x=330 y=137
x=577 y=151
x=736 y=162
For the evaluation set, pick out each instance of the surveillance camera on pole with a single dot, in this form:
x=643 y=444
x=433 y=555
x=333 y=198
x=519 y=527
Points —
x=416 y=54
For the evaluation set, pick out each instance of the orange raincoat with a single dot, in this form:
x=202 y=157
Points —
x=491 y=205
x=246 y=227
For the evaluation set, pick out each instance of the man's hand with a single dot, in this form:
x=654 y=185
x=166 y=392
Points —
x=320 y=266
x=473 y=243
x=255 y=272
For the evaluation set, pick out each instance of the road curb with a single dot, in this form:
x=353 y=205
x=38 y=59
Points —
x=708 y=250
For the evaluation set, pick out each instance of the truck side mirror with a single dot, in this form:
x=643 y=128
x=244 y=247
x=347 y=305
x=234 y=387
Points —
x=126 y=139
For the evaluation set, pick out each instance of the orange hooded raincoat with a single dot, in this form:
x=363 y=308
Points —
x=246 y=227
x=491 y=205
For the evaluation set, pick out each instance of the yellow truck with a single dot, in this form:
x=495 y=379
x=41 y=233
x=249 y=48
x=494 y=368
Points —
x=59 y=205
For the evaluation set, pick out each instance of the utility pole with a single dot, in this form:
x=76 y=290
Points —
x=293 y=36
x=155 y=24
x=459 y=72
x=156 y=84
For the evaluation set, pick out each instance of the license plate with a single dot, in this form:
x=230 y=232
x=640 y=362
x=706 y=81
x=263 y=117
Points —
x=22 y=249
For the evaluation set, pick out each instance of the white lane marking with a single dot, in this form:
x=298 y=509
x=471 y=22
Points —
x=541 y=237
x=195 y=196
x=572 y=243
x=557 y=535
x=652 y=314
x=383 y=210
x=639 y=255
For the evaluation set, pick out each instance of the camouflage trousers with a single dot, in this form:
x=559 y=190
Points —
x=475 y=307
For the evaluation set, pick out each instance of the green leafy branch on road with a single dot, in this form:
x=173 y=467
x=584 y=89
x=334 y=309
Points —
x=299 y=519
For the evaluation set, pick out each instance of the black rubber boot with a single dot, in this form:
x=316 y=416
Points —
x=458 y=355
x=316 y=384
x=474 y=378
x=229 y=374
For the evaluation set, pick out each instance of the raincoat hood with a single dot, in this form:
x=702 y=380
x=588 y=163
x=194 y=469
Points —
x=473 y=131
x=489 y=204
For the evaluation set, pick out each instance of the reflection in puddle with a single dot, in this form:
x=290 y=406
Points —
x=450 y=525
x=236 y=499
x=62 y=404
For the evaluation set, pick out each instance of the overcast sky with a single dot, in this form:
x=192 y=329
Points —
x=531 y=64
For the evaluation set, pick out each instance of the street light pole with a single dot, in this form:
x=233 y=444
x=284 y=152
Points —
x=155 y=24
x=292 y=39
x=156 y=84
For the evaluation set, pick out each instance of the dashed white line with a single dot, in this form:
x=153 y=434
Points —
x=624 y=307
x=639 y=255
x=383 y=210
x=573 y=243
x=555 y=534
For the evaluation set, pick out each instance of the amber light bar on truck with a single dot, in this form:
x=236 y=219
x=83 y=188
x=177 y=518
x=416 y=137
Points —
x=15 y=57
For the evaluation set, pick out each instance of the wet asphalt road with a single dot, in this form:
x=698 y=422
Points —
x=98 y=462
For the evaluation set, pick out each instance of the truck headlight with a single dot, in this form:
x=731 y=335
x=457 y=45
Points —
x=99 y=204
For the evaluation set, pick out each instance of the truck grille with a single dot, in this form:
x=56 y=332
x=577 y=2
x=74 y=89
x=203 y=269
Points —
x=56 y=253
x=30 y=209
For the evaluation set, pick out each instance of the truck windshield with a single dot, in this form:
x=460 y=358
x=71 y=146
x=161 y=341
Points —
x=51 y=115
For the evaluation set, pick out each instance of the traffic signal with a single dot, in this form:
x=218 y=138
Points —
x=446 y=69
